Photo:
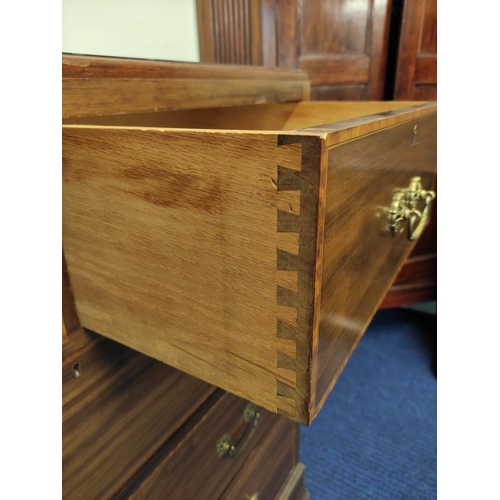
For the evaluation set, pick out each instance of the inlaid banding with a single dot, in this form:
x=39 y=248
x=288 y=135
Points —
x=297 y=187
x=288 y=225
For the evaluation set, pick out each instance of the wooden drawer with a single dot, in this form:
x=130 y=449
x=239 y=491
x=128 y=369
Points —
x=266 y=471
x=119 y=407
x=248 y=246
x=189 y=465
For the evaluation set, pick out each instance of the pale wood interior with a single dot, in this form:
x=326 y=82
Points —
x=172 y=250
x=272 y=117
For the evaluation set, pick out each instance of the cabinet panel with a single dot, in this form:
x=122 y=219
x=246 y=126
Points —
x=338 y=43
x=333 y=26
x=417 y=57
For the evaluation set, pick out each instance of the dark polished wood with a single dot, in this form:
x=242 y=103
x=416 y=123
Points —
x=71 y=322
x=416 y=75
x=188 y=466
x=80 y=339
x=237 y=32
x=125 y=415
x=358 y=272
x=119 y=406
x=102 y=85
x=337 y=93
x=337 y=42
x=341 y=44
x=412 y=292
x=81 y=66
x=269 y=465
x=416 y=79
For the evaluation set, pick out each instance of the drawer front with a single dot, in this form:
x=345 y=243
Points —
x=119 y=407
x=361 y=256
x=266 y=471
x=294 y=488
x=189 y=466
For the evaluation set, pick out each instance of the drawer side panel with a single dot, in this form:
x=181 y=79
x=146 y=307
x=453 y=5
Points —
x=361 y=256
x=172 y=245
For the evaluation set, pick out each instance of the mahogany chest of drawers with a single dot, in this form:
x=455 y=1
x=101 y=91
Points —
x=217 y=221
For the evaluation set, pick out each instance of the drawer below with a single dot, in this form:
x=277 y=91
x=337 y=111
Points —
x=190 y=466
x=119 y=407
x=266 y=471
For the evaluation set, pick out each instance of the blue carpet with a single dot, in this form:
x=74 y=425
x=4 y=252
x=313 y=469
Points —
x=375 y=437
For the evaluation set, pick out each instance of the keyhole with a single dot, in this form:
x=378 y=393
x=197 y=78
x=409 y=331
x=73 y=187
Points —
x=77 y=370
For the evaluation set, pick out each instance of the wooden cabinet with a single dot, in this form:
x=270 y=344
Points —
x=247 y=246
x=136 y=428
x=416 y=79
x=341 y=44
x=349 y=49
x=220 y=230
x=416 y=72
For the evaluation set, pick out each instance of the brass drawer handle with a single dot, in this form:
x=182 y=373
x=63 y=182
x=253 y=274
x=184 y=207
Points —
x=404 y=208
x=225 y=445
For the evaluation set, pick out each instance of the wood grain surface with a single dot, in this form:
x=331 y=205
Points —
x=88 y=67
x=232 y=32
x=361 y=256
x=171 y=242
x=341 y=44
x=414 y=292
x=71 y=322
x=96 y=86
x=119 y=407
x=345 y=130
x=268 y=467
x=294 y=488
x=416 y=71
x=188 y=467
x=416 y=78
x=122 y=95
x=204 y=248
x=274 y=116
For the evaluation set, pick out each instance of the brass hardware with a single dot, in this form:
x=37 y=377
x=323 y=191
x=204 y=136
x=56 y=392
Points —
x=225 y=445
x=404 y=208
x=255 y=496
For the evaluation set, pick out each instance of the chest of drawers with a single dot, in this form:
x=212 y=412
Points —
x=136 y=428
x=247 y=245
x=220 y=231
